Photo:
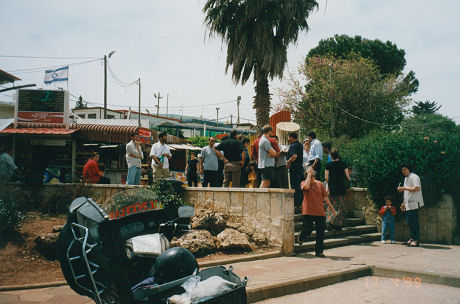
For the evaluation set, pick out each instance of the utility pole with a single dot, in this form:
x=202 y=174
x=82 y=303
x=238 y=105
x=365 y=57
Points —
x=217 y=119
x=139 y=116
x=167 y=104
x=158 y=102
x=105 y=82
x=231 y=120
x=238 y=99
x=181 y=111
x=330 y=100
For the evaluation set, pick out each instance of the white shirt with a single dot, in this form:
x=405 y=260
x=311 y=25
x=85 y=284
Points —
x=413 y=200
x=316 y=150
x=131 y=148
x=158 y=150
x=305 y=158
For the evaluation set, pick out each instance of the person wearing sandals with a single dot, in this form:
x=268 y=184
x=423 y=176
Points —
x=336 y=174
x=314 y=194
x=413 y=201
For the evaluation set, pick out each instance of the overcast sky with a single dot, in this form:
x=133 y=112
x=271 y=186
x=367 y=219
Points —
x=164 y=42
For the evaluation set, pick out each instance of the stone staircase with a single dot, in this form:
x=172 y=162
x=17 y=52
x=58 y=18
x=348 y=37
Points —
x=355 y=231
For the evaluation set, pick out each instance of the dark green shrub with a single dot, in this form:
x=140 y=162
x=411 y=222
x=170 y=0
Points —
x=432 y=151
x=56 y=200
x=169 y=193
x=10 y=215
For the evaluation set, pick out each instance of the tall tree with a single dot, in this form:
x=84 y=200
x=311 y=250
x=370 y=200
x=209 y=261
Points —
x=352 y=91
x=386 y=55
x=257 y=34
x=425 y=107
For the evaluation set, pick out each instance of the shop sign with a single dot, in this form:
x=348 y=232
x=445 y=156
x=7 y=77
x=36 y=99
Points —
x=145 y=136
x=42 y=106
x=48 y=142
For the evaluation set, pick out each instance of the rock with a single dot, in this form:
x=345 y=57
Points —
x=208 y=220
x=199 y=242
x=260 y=239
x=230 y=239
x=46 y=244
x=57 y=228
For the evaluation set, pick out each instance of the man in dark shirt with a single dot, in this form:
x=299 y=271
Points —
x=233 y=158
x=294 y=163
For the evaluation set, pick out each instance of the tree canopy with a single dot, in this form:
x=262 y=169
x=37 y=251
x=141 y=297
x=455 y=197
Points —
x=425 y=107
x=386 y=55
x=362 y=99
x=257 y=34
x=81 y=104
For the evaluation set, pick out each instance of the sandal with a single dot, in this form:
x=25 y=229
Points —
x=410 y=241
x=414 y=244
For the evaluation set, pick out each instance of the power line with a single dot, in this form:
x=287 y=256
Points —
x=44 y=57
x=39 y=69
x=387 y=125
x=119 y=81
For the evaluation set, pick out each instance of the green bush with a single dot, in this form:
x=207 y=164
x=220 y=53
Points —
x=57 y=201
x=199 y=141
x=169 y=193
x=10 y=215
x=431 y=150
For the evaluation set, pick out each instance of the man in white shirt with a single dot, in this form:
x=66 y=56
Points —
x=134 y=158
x=160 y=154
x=413 y=201
x=315 y=155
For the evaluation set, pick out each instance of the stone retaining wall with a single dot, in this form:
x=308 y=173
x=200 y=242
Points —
x=437 y=223
x=267 y=212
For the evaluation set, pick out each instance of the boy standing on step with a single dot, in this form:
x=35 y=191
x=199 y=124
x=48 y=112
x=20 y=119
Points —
x=314 y=194
x=388 y=213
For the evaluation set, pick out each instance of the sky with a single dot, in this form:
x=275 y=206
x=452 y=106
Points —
x=165 y=43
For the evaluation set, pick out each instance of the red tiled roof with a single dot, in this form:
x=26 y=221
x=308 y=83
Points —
x=39 y=131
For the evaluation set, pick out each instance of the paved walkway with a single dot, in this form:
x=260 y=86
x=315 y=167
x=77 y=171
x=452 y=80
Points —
x=437 y=260
x=373 y=290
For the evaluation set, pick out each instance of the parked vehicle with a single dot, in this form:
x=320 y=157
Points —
x=126 y=258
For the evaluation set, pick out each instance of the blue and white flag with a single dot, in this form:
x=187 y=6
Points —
x=60 y=74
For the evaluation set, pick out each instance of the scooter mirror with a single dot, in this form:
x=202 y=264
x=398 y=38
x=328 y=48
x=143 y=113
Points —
x=186 y=211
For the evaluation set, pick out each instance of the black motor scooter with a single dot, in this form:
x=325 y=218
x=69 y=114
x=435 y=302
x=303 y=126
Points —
x=110 y=258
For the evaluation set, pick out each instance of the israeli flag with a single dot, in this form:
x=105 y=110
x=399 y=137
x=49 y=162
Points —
x=60 y=74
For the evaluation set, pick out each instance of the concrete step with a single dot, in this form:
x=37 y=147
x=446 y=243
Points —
x=354 y=221
x=338 y=242
x=344 y=232
x=348 y=222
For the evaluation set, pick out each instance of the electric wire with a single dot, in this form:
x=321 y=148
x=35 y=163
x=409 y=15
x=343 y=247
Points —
x=119 y=81
x=39 y=69
x=45 y=57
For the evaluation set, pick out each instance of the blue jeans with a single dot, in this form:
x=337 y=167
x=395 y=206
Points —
x=134 y=176
x=388 y=224
x=412 y=222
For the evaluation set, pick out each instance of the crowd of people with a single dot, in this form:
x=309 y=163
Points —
x=271 y=164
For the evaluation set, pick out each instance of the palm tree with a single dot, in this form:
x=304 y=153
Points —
x=258 y=33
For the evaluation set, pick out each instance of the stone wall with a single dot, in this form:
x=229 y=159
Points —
x=268 y=213
x=437 y=223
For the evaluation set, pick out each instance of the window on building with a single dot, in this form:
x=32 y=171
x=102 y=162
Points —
x=91 y=115
x=81 y=115
x=110 y=116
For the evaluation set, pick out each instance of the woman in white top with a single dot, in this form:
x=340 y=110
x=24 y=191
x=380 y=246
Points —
x=306 y=149
x=413 y=201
